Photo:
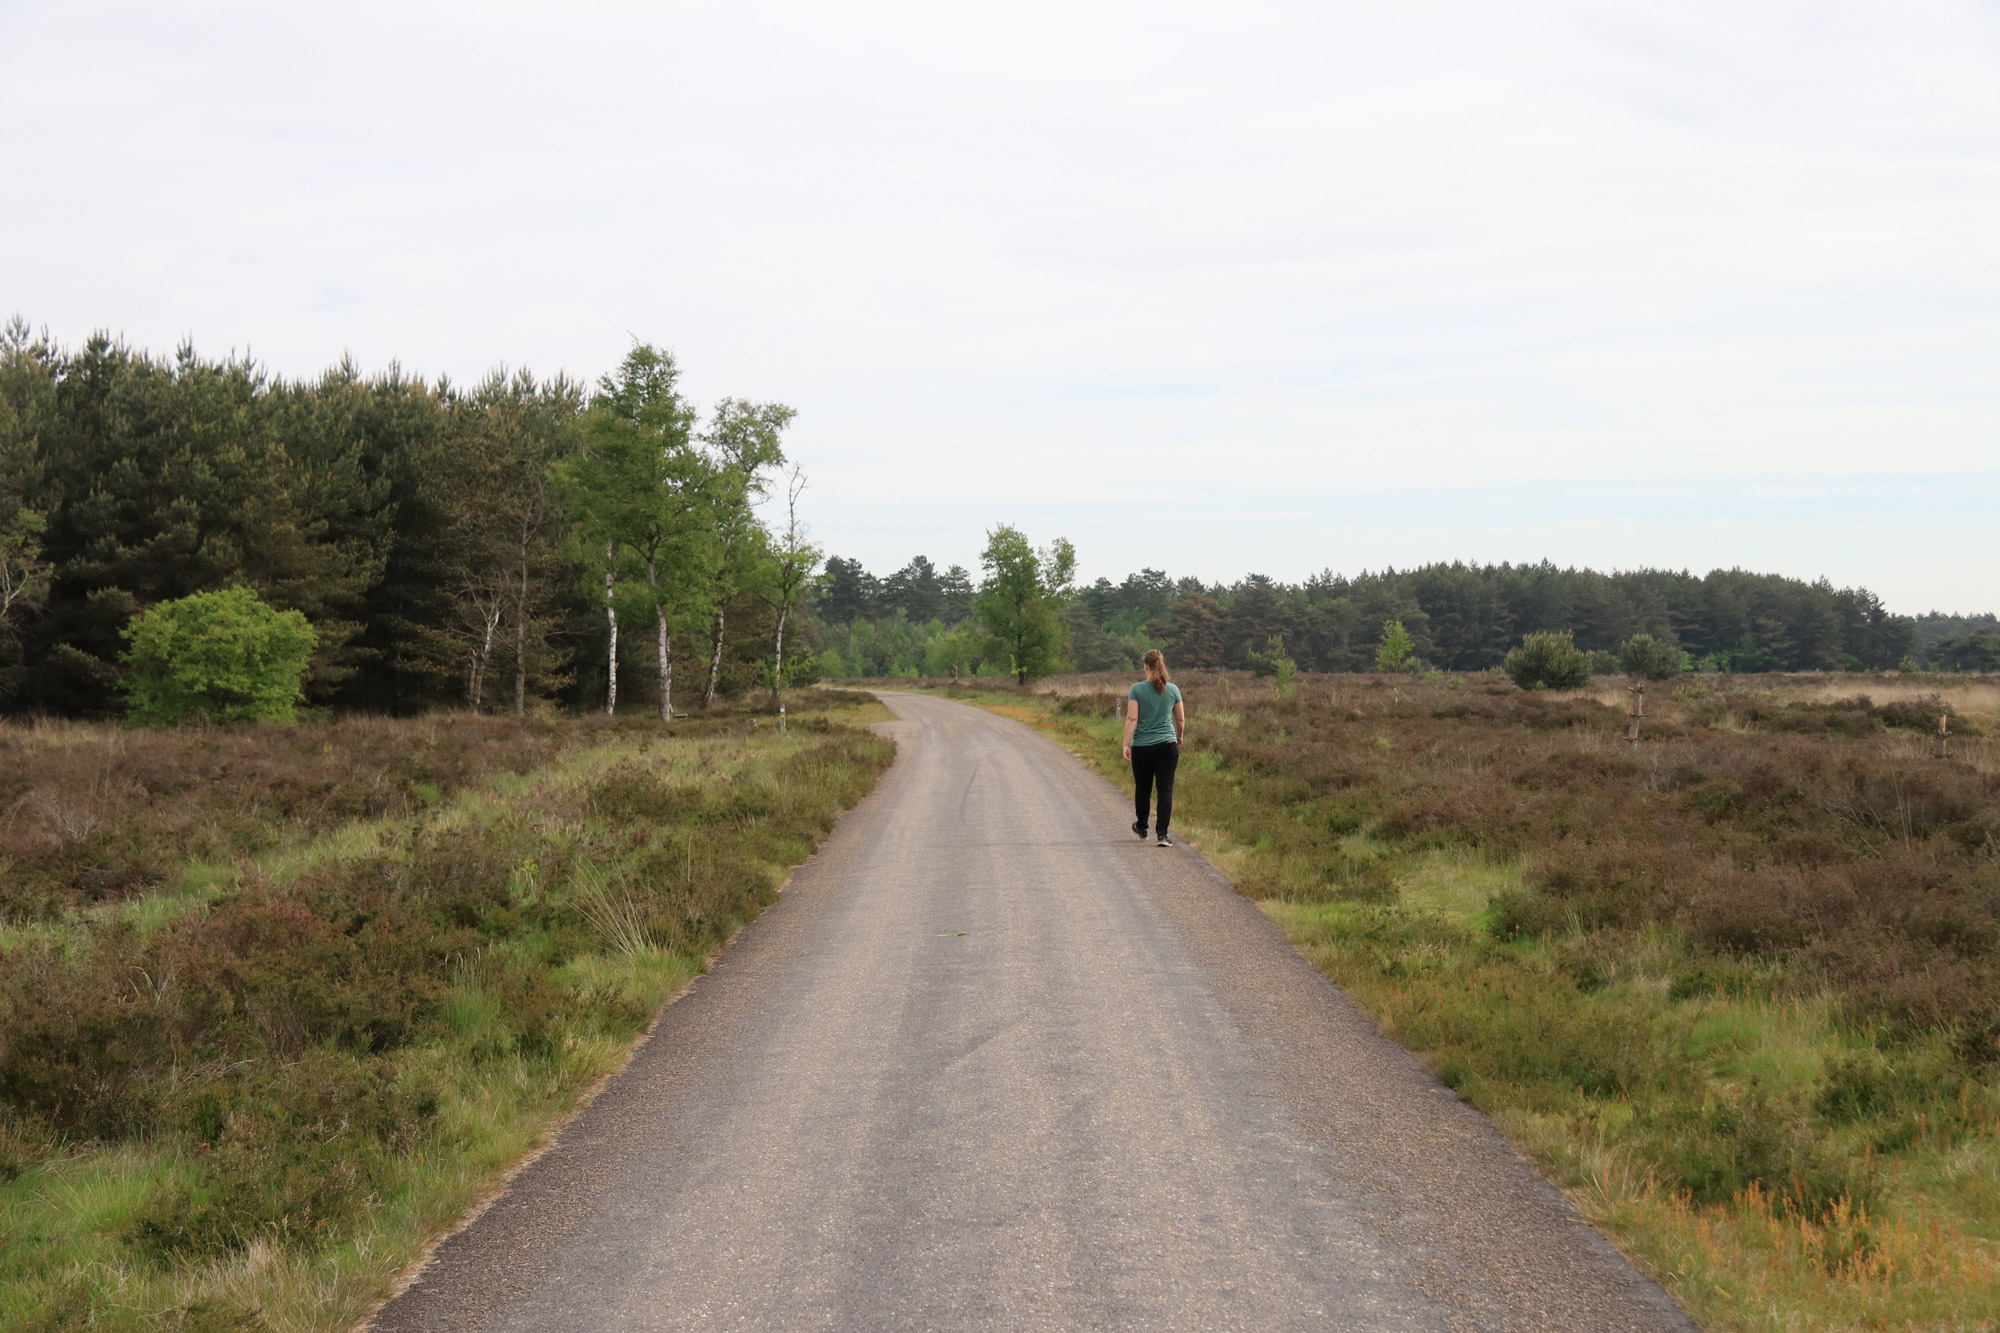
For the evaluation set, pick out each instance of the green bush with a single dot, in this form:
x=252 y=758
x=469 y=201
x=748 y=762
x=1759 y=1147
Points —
x=1648 y=658
x=1604 y=663
x=225 y=656
x=1549 y=661
x=1274 y=661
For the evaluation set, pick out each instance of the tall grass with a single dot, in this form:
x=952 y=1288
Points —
x=1737 y=988
x=616 y=917
x=243 y=1091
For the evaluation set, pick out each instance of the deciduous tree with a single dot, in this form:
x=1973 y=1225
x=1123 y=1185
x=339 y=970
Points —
x=1020 y=602
x=788 y=572
x=222 y=655
x=1396 y=651
x=745 y=441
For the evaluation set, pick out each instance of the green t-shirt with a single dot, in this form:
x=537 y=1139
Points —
x=1156 y=713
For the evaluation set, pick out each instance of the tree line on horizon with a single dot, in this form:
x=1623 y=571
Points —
x=1455 y=617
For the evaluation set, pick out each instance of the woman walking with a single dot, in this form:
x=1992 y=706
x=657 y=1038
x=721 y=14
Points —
x=1155 y=721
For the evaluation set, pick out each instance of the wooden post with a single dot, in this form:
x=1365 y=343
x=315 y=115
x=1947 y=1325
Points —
x=1638 y=692
x=1941 y=747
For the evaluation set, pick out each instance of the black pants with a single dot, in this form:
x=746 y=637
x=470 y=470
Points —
x=1150 y=764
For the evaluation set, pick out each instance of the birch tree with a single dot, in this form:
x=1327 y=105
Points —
x=645 y=494
x=745 y=440
x=515 y=434
x=792 y=562
x=634 y=443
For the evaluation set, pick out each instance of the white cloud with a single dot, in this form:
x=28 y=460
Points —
x=1189 y=280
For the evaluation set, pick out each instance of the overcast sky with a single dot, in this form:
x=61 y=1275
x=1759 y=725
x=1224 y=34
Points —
x=1212 y=288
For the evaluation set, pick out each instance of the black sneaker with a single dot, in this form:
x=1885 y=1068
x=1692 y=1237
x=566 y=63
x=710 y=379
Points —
x=1165 y=841
x=1139 y=827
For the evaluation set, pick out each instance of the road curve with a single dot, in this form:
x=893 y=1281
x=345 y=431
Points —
x=994 y=1063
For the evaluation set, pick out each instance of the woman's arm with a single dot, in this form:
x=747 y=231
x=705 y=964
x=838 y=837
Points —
x=1131 y=722
x=1180 y=720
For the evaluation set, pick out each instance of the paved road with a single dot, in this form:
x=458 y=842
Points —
x=994 y=1063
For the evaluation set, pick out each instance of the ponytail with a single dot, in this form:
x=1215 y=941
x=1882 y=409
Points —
x=1156 y=669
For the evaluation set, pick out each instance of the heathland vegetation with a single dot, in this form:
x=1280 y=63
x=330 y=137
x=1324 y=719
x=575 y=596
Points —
x=278 y=1003
x=1736 y=985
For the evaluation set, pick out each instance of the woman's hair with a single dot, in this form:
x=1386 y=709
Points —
x=1156 y=669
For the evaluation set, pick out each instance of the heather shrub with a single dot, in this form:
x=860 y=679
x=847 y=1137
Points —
x=82 y=1047
x=1575 y=889
x=264 y=974
x=19 y=1148
x=1922 y=715
x=1867 y=1084
x=1726 y=1146
x=1098 y=703
x=630 y=793
x=291 y=1159
x=102 y=815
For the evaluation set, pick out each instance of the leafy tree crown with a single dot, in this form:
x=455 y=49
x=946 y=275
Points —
x=224 y=656
x=1021 y=601
x=1397 y=651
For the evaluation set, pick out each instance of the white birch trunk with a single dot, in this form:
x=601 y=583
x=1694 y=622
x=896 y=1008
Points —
x=714 y=665
x=778 y=651
x=666 y=671
x=666 y=646
x=475 y=693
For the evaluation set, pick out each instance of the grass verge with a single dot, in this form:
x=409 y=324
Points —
x=243 y=1090
x=1736 y=989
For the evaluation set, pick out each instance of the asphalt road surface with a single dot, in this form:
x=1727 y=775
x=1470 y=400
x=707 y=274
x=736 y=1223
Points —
x=994 y=1063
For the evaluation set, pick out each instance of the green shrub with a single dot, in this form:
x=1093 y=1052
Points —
x=1549 y=661
x=1648 y=658
x=1603 y=663
x=224 y=656
x=1274 y=661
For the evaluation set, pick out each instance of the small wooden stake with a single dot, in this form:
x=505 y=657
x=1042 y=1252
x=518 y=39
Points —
x=1638 y=692
x=1941 y=747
